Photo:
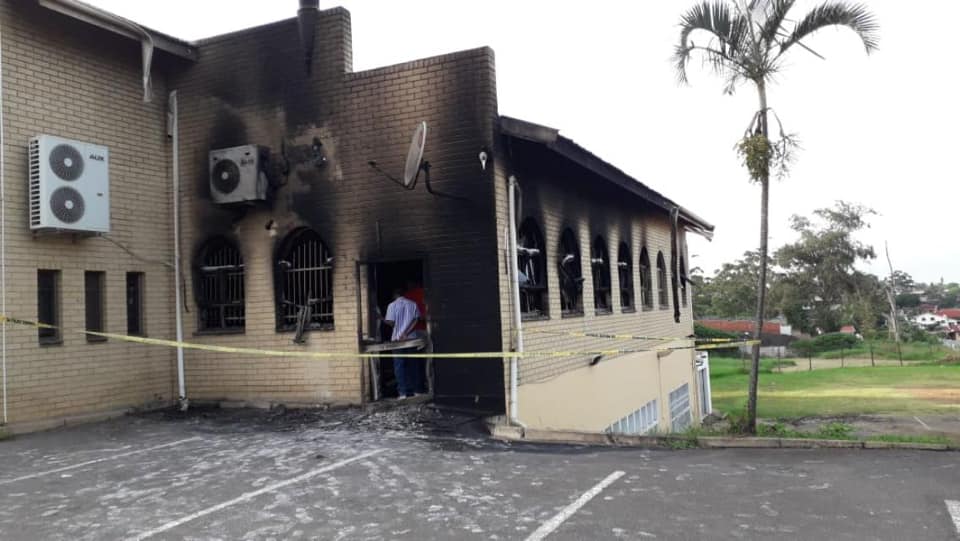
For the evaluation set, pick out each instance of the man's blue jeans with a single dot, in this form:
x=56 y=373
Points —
x=409 y=374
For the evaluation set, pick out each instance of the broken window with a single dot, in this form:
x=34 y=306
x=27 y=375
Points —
x=220 y=287
x=646 y=281
x=48 y=306
x=570 y=274
x=305 y=282
x=532 y=269
x=662 y=281
x=683 y=282
x=93 y=282
x=600 y=263
x=135 y=304
x=625 y=274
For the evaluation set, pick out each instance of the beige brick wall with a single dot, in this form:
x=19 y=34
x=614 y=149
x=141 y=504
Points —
x=64 y=78
x=558 y=203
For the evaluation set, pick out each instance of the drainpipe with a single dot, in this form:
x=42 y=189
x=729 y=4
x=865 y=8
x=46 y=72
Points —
x=174 y=110
x=3 y=238
x=307 y=24
x=517 y=317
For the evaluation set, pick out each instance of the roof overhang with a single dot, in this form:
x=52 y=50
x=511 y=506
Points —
x=568 y=149
x=119 y=25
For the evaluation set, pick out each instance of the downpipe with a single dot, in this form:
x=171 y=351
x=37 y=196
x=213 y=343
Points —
x=517 y=317
x=3 y=238
x=174 y=110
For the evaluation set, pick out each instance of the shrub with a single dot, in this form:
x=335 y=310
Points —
x=834 y=341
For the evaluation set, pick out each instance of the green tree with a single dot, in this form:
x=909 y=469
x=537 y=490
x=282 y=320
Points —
x=820 y=278
x=746 y=42
x=733 y=288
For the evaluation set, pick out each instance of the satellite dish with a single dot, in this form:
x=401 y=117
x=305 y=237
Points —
x=415 y=155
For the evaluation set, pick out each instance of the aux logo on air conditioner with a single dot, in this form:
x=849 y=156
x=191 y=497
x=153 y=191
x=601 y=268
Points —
x=97 y=157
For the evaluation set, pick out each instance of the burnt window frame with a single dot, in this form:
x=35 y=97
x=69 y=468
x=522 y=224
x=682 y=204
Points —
x=570 y=283
x=663 y=293
x=292 y=254
x=534 y=295
x=136 y=303
x=646 y=280
x=50 y=315
x=220 y=287
x=602 y=281
x=95 y=305
x=625 y=278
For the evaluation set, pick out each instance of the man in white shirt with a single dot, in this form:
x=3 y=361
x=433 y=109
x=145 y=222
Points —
x=402 y=316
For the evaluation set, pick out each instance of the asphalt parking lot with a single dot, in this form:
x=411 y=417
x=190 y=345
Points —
x=416 y=474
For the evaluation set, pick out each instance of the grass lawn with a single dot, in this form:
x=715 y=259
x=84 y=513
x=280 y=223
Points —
x=913 y=389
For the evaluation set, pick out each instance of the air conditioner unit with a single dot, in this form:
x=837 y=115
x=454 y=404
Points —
x=69 y=186
x=237 y=176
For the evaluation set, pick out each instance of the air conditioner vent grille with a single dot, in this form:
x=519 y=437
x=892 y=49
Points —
x=67 y=205
x=66 y=162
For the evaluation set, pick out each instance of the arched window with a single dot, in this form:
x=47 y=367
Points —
x=304 y=282
x=646 y=280
x=600 y=263
x=662 y=282
x=625 y=273
x=683 y=281
x=532 y=269
x=570 y=274
x=219 y=288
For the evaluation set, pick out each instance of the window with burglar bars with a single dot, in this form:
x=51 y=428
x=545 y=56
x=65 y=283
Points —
x=683 y=282
x=600 y=263
x=646 y=281
x=570 y=274
x=643 y=421
x=625 y=273
x=305 y=288
x=93 y=286
x=135 y=290
x=680 y=417
x=532 y=268
x=662 y=282
x=220 y=287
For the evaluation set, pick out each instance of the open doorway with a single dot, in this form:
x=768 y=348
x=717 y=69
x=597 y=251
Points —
x=379 y=281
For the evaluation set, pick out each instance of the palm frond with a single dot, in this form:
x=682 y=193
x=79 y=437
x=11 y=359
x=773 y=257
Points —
x=854 y=16
x=727 y=35
x=776 y=13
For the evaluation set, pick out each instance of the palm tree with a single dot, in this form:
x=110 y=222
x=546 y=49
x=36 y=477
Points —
x=746 y=41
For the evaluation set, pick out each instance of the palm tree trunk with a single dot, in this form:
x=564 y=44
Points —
x=751 y=427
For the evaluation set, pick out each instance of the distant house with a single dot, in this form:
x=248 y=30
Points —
x=848 y=329
x=741 y=326
x=950 y=313
x=929 y=319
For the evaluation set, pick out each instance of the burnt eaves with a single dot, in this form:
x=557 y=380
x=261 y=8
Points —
x=567 y=149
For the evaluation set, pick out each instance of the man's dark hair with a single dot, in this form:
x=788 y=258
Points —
x=398 y=292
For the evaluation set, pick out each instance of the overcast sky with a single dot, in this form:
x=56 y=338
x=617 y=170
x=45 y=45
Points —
x=878 y=130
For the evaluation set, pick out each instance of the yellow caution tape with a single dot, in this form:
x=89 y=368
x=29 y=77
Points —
x=353 y=355
x=625 y=336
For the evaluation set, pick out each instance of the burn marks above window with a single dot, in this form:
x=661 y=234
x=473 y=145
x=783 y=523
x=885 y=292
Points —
x=646 y=280
x=600 y=263
x=532 y=270
x=570 y=274
x=664 y=297
x=625 y=274
x=304 y=282
x=219 y=287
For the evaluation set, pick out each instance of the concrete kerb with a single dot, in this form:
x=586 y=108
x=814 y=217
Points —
x=509 y=433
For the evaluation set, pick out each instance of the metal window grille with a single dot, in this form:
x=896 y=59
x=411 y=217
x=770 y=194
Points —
x=220 y=287
x=93 y=282
x=642 y=421
x=646 y=281
x=570 y=274
x=625 y=274
x=662 y=281
x=48 y=305
x=600 y=262
x=532 y=263
x=680 y=417
x=135 y=282
x=305 y=270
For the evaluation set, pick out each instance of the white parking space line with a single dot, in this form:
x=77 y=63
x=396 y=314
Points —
x=953 y=507
x=251 y=495
x=551 y=525
x=97 y=461
x=925 y=425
